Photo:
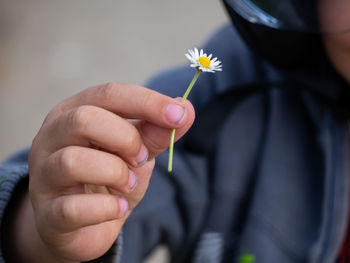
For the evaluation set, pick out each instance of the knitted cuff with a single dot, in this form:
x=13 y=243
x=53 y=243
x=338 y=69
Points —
x=10 y=175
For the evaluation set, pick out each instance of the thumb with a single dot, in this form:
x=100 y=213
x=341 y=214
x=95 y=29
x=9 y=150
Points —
x=156 y=138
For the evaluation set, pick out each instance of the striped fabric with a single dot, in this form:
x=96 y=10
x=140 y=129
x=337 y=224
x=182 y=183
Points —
x=210 y=248
x=10 y=175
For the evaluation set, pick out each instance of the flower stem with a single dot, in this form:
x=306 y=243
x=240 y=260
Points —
x=190 y=86
x=171 y=146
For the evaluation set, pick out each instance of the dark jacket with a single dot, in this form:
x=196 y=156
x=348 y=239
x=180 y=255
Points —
x=264 y=170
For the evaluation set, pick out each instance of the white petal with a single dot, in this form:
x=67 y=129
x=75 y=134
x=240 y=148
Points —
x=210 y=56
x=196 y=53
x=188 y=57
x=193 y=60
x=190 y=53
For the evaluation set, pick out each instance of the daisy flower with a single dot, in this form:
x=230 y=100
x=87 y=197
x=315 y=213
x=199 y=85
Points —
x=203 y=63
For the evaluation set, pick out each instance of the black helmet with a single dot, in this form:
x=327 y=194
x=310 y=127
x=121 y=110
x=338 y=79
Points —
x=330 y=16
x=286 y=32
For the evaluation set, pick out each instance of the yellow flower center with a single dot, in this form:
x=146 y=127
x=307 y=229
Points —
x=204 y=61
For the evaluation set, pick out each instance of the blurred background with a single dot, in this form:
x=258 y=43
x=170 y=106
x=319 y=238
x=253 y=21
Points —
x=52 y=49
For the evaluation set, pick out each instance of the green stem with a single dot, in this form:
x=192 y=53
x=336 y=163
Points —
x=190 y=86
x=171 y=146
x=171 y=150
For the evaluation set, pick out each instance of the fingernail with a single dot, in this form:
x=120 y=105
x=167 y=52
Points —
x=175 y=113
x=123 y=206
x=142 y=156
x=132 y=180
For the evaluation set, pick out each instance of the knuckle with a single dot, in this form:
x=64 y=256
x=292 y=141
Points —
x=107 y=91
x=79 y=118
x=56 y=111
x=68 y=211
x=149 y=99
x=67 y=160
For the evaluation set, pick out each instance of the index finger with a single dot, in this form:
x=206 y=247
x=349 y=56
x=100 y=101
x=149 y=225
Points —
x=130 y=101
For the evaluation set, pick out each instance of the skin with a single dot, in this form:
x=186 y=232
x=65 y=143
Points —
x=335 y=23
x=338 y=49
x=79 y=169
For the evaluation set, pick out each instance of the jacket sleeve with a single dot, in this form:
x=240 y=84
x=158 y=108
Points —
x=12 y=172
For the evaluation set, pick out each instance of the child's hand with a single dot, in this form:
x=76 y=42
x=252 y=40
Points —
x=83 y=159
